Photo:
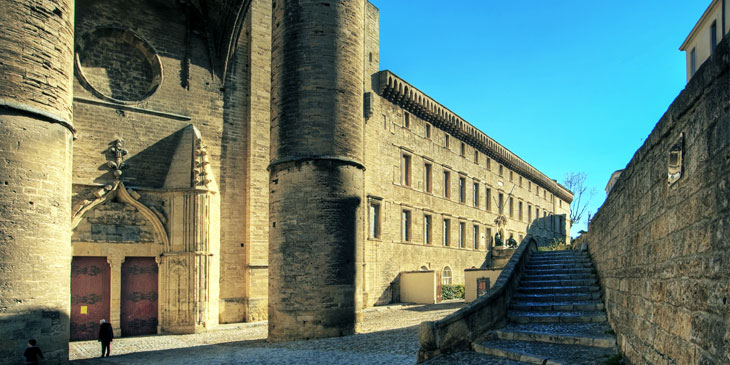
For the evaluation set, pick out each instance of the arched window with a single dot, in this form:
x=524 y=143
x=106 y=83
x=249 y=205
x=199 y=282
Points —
x=446 y=276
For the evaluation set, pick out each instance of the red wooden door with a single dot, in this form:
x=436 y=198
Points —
x=139 y=296
x=90 y=291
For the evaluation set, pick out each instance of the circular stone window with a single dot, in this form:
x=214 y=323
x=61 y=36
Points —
x=117 y=65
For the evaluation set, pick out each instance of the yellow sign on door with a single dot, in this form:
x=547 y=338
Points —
x=83 y=309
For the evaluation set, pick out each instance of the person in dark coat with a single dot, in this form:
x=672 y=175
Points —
x=106 y=335
x=32 y=353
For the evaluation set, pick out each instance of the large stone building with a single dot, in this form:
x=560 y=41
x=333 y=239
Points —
x=172 y=165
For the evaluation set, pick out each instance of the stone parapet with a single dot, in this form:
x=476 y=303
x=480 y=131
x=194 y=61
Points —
x=457 y=331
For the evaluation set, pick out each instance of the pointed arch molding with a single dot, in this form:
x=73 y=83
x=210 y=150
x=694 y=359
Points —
x=120 y=191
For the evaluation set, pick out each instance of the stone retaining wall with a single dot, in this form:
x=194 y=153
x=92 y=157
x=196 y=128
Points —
x=661 y=249
x=457 y=331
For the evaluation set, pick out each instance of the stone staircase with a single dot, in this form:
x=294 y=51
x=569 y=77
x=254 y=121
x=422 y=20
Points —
x=556 y=316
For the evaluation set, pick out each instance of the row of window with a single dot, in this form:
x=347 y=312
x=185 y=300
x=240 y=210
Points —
x=462 y=239
x=476 y=193
x=500 y=170
x=406 y=180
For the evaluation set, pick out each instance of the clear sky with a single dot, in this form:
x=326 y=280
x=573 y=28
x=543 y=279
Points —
x=567 y=85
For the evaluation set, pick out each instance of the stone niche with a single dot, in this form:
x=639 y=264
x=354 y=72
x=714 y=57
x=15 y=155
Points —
x=114 y=222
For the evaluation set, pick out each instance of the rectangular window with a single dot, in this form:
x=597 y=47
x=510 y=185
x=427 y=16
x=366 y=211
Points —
x=446 y=139
x=476 y=156
x=537 y=214
x=489 y=163
x=427 y=177
x=520 y=181
x=529 y=186
x=519 y=210
x=713 y=36
x=447 y=184
x=529 y=213
x=476 y=237
x=447 y=232
x=537 y=191
x=428 y=130
x=488 y=197
x=511 y=210
x=407 y=120
x=462 y=190
x=476 y=194
x=385 y=122
x=544 y=194
x=427 y=229
x=489 y=237
x=560 y=203
x=374 y=220
x=406 y=229
x=463 y=149
x=406 y=170
x=500 y=203
x=511 y=176
x=693 y=62
x=462 y=233
x=501 y=170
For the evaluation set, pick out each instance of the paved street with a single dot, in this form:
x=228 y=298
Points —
x=390 y=336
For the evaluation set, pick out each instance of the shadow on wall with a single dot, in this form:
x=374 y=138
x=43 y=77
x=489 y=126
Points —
x=545 y=229
x=149 y=167
x=48 y=326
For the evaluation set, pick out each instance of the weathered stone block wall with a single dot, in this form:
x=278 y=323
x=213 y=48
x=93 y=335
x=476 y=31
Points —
x=36 y=58
x=662 y=251
x=316 y=172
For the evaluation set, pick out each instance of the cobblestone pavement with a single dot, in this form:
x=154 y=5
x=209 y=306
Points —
x=389 y=336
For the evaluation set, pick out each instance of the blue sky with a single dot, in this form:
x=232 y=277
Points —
x=567 y=85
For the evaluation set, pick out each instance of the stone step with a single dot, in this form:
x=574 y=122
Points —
x=544 y=353
x=588 y=305
x=561 y=265
x=542 y=255
x=569 y=282
x=586 y=334
x=556 y=317
x=552 y=262
x=556 y=297
x=561 y=277
x=558 y=289
x=559 y=271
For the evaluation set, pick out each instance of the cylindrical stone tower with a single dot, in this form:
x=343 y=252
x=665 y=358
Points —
x=316 y=170
x=36 y=134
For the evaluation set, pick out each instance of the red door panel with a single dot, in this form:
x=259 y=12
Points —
x=139 y=296
x=90 y=291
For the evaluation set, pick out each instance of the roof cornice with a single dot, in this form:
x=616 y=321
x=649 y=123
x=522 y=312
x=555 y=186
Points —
x=400 y=92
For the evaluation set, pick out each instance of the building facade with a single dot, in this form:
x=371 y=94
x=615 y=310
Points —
x=701 y=42
x=182 y=173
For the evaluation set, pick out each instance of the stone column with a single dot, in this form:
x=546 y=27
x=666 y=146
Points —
x=36 y=70
x=115 y=292
x=316 y=172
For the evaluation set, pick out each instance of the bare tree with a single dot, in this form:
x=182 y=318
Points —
x=576 y=182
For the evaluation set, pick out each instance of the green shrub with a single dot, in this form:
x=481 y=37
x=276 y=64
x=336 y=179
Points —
x=452 y=291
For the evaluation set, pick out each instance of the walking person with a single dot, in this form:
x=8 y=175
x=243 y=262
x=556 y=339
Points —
x=32 y=353
x=106 y=335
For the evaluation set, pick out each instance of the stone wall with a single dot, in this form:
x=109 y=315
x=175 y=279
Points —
x=36 y=67
x=661 y=249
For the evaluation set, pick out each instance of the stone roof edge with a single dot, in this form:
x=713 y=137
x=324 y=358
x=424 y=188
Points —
x=400 y=92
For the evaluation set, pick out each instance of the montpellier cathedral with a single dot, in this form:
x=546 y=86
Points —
x=170 y=165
